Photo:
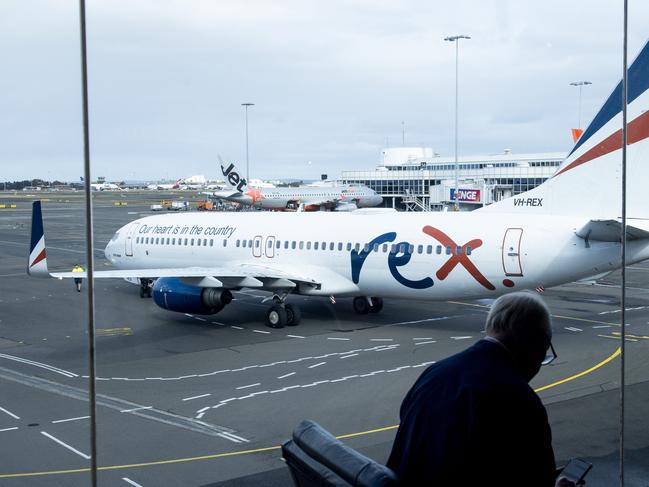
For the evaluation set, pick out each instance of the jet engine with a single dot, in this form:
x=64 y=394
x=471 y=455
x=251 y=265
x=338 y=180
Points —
x=173 y=294
x=346 y=207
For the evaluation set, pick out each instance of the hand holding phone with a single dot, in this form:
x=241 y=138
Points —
x=575 y=470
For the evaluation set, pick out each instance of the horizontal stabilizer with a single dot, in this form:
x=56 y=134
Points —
x=611 y=230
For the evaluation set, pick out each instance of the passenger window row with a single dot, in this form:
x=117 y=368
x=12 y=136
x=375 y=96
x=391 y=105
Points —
x=401 y=248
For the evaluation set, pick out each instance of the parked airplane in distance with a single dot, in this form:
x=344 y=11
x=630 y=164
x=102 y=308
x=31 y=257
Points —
x=343 y=197
x=566 y=229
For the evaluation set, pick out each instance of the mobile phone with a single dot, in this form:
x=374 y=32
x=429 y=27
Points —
x=575 y=470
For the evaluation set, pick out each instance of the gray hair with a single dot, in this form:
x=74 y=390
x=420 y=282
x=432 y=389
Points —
x=519 y=313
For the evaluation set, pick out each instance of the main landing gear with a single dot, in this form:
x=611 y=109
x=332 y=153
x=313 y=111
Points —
x=281 y=314
x=146 y=287
x=364 y=305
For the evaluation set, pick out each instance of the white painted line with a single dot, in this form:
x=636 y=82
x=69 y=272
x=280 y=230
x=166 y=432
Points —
x=461 y=338
x=196 y=397
x=317 y=365
x=70 y=419
x=236 y=327
x=425 y=343
x=381 y=339
x=286 y=375
x=38 y=364
x=249 y=385
x=420 y=321
x=199 y=319
x=350 y=355
x=188 y=315
x=261 y=331
x=9 y=429
x=424 y=338
x=129 y=481
x=65 y=445
x=603 y=326
x=217 y=323
x=135 y=409
x=9 y=413
x=338 y=338
x=572 y=328
x=294 y=336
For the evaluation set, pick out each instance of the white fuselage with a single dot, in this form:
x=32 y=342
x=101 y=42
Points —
x=425 y=256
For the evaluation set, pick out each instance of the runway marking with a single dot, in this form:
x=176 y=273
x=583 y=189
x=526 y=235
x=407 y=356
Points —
x=626 y=309
x=65 y=445
x=462 y=338
x=572 y=328
x=196 y=397
x=249 y=385
x=617 y=338
x=641 y=337
x=114 y=331
x=129 y=481
x=601 y=326
x=51 y=368
x=261 y=331
x=215 y=456
x=426 y=343
x=236 y=327
x=287 y=375
x=317 y=365
x=377 y=348
x=381 y=339
x=9 y=429
x=338 y=338
x=347 y=356
x=294 y=336
x=70 y=419
x=440 y=318
x=424 y=338
x=141 y=408
x=9 y=413
x=217 y=323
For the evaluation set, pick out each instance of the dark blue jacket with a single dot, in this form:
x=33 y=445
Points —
x=472 y=419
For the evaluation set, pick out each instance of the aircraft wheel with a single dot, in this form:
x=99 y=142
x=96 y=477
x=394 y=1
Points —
x=276 y=317
x=142 y=292
x=377 y=305
x=149 y=292
x=361 y=306
x=293 y=315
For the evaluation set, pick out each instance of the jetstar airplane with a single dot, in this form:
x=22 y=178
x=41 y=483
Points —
x=564 y=230
x=311 y=198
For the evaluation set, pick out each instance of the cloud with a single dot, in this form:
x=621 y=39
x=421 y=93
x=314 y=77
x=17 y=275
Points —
x=330 y=81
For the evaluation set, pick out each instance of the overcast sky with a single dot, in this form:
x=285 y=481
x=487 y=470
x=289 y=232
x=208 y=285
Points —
x=331 y=81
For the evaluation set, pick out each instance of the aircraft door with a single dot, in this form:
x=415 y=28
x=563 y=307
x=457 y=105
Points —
x=256 y=246
x=269 y=249
x=512 y=252
x=130 y=235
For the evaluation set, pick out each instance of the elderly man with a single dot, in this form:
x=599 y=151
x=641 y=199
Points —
x=472 y=419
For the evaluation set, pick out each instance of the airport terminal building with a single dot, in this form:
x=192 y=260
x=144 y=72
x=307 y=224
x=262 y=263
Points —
x=416 y=178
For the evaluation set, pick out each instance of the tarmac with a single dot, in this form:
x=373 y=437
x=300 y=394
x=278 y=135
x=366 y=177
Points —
x=207 y=400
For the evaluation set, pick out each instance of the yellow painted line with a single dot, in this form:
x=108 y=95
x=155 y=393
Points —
x=269 y=448
x=114 y=331
x=581 y=374
x=641 y=337
x=617 y=338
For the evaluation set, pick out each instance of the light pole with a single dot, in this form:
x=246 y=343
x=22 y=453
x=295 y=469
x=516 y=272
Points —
x=246 y=105
x=456 y=39
x=580 y=84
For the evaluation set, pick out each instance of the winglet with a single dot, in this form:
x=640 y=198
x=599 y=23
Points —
x=37 y=263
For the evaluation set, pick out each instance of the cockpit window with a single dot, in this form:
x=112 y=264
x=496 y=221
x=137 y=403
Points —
x=115 y=237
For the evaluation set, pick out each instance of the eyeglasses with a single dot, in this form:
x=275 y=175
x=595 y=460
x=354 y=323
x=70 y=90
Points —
x=550 y=357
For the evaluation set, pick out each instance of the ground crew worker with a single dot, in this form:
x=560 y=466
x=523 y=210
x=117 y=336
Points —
x=77 y=280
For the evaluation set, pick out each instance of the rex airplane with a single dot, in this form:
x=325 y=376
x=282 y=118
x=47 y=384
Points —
x=564 y=230
x=339 y=198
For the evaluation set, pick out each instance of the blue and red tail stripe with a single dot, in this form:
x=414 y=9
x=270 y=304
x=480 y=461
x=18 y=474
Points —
x=638 y=79
x=37 y=234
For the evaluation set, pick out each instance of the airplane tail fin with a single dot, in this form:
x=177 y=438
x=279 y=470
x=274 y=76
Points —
x=588 y=182
x=233 y=178
x=37 y=263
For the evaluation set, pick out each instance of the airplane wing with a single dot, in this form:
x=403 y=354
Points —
x=610 y=230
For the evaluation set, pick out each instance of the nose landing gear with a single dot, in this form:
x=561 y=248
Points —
x=146 y=287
